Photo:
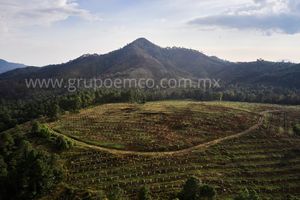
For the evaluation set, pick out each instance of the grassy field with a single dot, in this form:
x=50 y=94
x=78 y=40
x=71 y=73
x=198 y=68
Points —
x=157 y=126
x=266 y=159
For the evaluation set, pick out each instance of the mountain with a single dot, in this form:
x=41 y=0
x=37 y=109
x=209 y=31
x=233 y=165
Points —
x=140 y=58
x=7 y=66
x=143 y=59
x=260 y=72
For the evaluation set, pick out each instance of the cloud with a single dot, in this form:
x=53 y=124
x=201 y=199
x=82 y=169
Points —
x=18 y=13
x=265 y=15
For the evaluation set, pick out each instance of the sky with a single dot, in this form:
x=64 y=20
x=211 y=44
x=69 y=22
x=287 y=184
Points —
x=42 y=32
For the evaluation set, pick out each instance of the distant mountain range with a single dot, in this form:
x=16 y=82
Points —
x=7 y=66
x=143 y=59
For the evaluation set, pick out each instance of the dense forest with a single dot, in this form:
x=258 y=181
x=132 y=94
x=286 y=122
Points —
x=25 y=172
x=14 y=112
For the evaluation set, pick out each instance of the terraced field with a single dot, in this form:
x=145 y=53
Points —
x=240 y=163
x=160 y=126
x=265 y=158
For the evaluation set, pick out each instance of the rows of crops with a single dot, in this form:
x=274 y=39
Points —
x=231 y=166
x=164 y=128
x=266 y=160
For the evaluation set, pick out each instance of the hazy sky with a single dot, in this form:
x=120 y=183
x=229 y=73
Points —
x=40 y=32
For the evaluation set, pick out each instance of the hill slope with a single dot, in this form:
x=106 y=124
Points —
x=7 y=66
x=143 y=59
x=265 y=158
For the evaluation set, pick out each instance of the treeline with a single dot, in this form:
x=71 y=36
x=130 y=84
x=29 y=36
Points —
x=262 y=94
x=59 y=142
x=25 y=172
x=18 y=111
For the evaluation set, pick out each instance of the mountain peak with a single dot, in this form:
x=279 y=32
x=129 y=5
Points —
x=142 y=42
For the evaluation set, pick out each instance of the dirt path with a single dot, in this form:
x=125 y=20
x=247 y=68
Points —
x=182 y=151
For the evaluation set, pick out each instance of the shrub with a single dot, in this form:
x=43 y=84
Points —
x=40 y=130
x=194 y=190
x=63 y=143
x=247 y=195
x=43 y=131
x=296 y=129
x=116 y=194
x=190 y=188
x=144 y=194
x=35 y=127
x=207 y=192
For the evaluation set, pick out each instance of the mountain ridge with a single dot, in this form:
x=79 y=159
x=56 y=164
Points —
x=6 y=66
x=144 y=59
x=140 y=58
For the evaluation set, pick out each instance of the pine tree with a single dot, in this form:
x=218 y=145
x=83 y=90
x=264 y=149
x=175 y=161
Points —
x=144 y=194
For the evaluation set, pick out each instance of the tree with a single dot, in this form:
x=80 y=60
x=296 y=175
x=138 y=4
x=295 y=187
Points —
x=70 y=103
x=207 y=192
x=190 y=189
x=247 y=195
x=62 y=143
x=36 y=127
x=144 y=194
x=194 y=190
x=6 y=120
x=36 y=173
x=7 y=144
x=3 y=168
x=30 y=173
x=53 y=111
x=296 y=129
x=41 y=130
x=137 y=96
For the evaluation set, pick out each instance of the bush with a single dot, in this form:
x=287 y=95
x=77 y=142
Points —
x=40 y=130
x=247 y=195
x=207 y=192
x=63 y=143
x=116 y=194
x=296 y=129
x=144 y=194
x=190 y=189
x=194 y=190
x=43 y=131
